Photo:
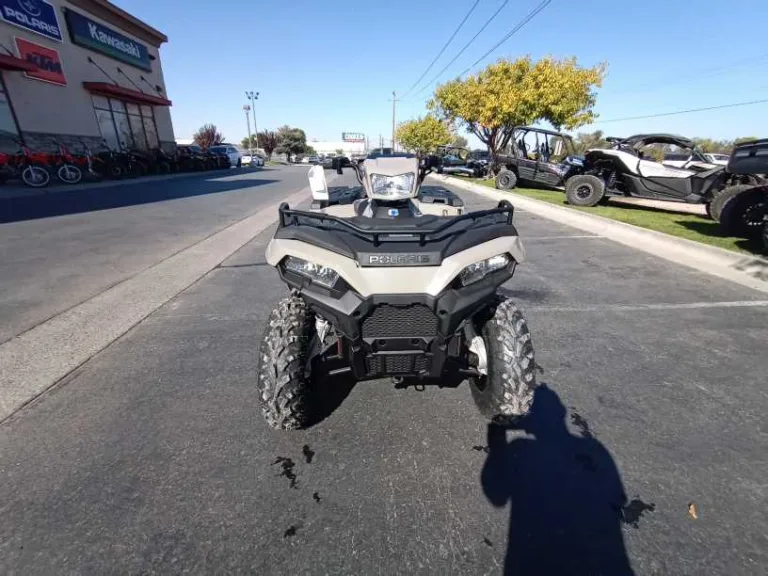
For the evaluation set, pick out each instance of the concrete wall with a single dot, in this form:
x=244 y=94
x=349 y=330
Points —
x=43 y=108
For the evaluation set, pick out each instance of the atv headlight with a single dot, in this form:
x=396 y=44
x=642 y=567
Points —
x=321 y=274
x=392 y=187
x=480 y=270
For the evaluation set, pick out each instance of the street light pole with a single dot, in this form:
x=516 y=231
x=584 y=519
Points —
x=246 y=108
x=253 y=96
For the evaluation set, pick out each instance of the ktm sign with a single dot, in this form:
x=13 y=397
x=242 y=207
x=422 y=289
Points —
x=46 y=59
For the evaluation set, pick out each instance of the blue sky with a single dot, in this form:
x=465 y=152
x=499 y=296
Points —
x=329 y=67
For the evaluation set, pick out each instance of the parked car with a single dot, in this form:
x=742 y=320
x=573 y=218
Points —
x=310 y=160
x=235 y=157
x=252 y=159
x=719 y=159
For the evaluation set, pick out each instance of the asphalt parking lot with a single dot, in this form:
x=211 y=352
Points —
x=646 y=451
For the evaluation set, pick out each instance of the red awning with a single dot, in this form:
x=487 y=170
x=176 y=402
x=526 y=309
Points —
x=105 y=89
x=16 y=64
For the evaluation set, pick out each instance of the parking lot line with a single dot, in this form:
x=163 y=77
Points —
x=644 y=307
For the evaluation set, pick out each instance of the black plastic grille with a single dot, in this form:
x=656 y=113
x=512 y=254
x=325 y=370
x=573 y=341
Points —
x=409 y=321
x=397 y=364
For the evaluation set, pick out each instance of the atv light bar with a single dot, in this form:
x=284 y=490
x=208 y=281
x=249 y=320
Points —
x=321 y=274
x=392 y=187
x=479 y=270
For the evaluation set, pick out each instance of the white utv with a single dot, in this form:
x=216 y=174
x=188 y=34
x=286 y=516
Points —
x=397 y=283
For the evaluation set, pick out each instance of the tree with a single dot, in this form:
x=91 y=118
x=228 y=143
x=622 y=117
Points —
x=268 y=140
x=423 y=135
x=339 y=151
x=516 y=93
x=249 y=144
x=310 y=151
x=208 y=135
x=459 y=141
x=291 y=141
x=588 y=140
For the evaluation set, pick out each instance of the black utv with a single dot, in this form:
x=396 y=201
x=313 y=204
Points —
x=539 y=157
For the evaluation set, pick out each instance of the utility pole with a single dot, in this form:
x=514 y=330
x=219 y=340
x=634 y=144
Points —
x=394 y=102
x=253 y=96
x=246 y=108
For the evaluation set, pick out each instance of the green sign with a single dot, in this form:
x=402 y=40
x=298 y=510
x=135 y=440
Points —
x=94 y=36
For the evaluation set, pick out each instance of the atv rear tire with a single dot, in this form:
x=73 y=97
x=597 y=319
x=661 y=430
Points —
x=506 y=180
x=284 y=390
x=722 y=197
x=584 y=190
x=744 y=215
x=506 y=392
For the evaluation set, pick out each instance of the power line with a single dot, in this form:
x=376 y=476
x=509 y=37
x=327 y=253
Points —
x=428 y=84
x=688 y=111
x=695 y=75
x=472 y=9
x=531 y=15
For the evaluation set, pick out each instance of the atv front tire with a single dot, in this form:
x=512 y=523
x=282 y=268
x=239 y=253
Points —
x=506 y=392
x=506 y=180
x=584 y=190
x=284 y=390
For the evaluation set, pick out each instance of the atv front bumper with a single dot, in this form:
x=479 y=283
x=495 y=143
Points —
x=399 y=334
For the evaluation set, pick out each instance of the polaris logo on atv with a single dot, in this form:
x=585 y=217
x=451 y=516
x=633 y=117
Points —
x=421 y=259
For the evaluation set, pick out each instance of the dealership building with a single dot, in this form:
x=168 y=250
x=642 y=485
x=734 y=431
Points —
x=77 y=71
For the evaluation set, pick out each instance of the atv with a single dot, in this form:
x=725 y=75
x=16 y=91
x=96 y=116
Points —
x=539 y=157
x=396 y=283
x=625 y=170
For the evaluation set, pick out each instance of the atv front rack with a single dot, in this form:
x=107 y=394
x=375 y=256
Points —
x=288 y=217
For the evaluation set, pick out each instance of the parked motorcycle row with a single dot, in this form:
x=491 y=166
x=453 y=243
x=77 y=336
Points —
x=38 y=169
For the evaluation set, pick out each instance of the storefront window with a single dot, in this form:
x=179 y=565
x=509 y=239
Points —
x=151 y=130
x=8 y=130
x=107 y=128
x=123 y=129
x=137 y=127
x=124 y=124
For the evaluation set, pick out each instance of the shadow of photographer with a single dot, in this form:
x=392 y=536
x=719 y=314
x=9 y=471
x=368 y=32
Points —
x=567 y=502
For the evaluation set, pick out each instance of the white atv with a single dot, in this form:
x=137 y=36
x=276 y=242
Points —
x=397 y=283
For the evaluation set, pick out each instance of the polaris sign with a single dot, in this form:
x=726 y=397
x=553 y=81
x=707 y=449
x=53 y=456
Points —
x=34 y=15
x=92 y=35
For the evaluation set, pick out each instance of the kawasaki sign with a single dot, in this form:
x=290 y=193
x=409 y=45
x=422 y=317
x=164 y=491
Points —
x=33 y=15
x=89 y=34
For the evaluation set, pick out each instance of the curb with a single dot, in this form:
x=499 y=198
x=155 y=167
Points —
x=749 y=271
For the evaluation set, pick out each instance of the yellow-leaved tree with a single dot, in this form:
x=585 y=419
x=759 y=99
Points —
x=509 y=93
x=423 y=135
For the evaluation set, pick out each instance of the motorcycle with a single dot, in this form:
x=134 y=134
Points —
x=31 y=167
x=67 y=165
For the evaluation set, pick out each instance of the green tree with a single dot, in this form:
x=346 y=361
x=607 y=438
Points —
x=248 y=144
x=310 y=151
x=741 y=140
x=339 y=152
x=589 y=140
x=208 y=135
x=459 y=141
x=291 y=141
x=506 y=94
x=423 y=135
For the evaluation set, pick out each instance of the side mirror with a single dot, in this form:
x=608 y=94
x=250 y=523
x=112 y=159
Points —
x=317 y=183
